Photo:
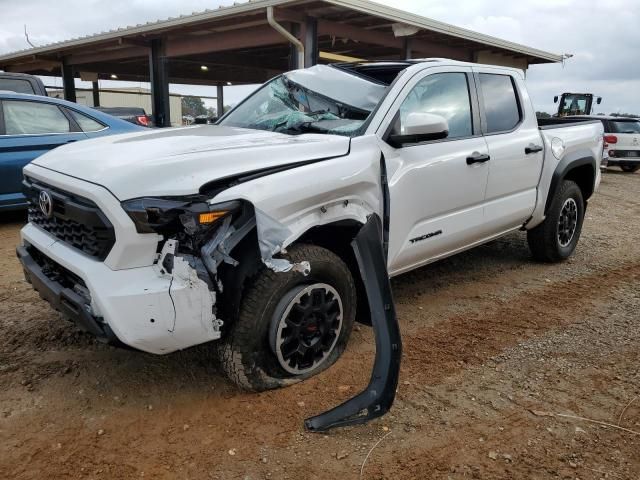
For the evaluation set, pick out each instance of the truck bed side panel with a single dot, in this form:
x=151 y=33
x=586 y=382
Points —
x=580 y=140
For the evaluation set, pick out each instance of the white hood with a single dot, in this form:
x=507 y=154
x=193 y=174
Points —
x=179 y=161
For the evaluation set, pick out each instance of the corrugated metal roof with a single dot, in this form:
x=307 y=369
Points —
x=363 y=6
x=401 y=16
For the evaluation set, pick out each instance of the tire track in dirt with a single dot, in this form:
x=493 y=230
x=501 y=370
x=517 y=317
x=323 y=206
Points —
x=433 y=353
x=486 y=428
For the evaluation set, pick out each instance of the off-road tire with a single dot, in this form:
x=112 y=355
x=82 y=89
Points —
x=245 y=352
x=630 y=168
x=543 y=240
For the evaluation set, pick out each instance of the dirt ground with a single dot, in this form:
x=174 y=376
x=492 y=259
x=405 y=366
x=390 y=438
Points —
x=500 y=355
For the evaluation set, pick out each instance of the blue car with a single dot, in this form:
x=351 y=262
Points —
x=31 y=125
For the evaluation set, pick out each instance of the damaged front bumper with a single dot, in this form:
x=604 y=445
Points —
x=145 y=308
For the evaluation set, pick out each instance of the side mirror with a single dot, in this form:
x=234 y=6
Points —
x=599 y=100
x=555 y=99
x=420 y=127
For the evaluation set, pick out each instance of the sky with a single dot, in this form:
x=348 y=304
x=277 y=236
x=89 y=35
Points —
x=602 y=35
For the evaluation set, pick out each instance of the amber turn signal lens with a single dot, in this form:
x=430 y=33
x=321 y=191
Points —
x=210 y=217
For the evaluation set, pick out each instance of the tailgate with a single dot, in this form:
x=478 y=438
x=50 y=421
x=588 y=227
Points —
x=627 y=141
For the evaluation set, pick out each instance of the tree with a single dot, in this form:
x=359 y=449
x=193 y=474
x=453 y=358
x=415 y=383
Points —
x=193 y=106
x=629 y=115
x=542 y=115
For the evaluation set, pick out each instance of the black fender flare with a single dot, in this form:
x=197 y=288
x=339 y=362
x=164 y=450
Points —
x=569 y=162
x=377 y=398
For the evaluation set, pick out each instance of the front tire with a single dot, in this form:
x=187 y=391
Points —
x=290 y=326
x=630 y=168
x=556 y=238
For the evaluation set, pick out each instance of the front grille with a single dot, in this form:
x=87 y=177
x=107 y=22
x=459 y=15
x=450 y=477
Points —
x=75 y=221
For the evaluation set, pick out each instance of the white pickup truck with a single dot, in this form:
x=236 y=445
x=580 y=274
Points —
x=271 y=232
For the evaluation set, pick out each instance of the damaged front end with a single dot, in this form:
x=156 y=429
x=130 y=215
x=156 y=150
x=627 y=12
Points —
x=211 y=231
x=202 y=236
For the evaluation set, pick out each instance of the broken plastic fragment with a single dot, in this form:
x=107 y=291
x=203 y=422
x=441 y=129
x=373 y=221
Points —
x=284 y=265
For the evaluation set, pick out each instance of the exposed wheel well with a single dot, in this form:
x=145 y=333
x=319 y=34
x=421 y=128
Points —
x=335 y=237
x=584 y=176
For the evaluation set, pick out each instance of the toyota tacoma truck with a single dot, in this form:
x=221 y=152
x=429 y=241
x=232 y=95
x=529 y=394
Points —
x=274 y=230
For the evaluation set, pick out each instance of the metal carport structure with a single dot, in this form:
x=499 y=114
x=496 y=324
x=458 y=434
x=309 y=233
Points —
x=254 y=41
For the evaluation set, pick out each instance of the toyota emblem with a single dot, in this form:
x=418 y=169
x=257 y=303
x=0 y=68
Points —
x=46 y=203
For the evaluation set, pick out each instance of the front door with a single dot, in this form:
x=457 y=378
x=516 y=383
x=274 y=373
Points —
x=436 y=192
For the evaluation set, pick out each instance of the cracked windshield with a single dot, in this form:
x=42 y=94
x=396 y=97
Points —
x=286 y=107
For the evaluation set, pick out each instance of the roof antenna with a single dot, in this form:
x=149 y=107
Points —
x=26 y=35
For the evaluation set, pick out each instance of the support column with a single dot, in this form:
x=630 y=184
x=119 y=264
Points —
x=96 y=93
x=68 y=82
x=311 y=42
x=407 y=54
x=293 y=52
x=159 y=76
x=220 y=100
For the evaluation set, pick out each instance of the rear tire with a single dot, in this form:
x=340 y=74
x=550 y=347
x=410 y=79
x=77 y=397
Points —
x=556 y=238
x=630 y=168
x=290 y=327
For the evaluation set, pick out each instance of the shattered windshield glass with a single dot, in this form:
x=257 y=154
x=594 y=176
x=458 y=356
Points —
x=287 y=107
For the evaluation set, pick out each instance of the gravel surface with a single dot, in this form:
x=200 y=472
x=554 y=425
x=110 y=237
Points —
x=511 y=370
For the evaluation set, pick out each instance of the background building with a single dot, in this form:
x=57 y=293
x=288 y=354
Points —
x=125 y=97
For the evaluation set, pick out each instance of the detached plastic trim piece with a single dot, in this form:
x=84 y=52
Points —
x=377 y=398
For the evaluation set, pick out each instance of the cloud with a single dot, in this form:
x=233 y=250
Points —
x=603 y=37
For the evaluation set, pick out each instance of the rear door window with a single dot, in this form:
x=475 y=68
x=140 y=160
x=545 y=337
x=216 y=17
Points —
x=32 y=118
x=501 y=105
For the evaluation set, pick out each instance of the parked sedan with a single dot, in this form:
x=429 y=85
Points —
x=31 y=125
x=135 y=115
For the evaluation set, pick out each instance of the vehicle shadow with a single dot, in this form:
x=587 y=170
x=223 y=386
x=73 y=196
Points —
x=616 y=171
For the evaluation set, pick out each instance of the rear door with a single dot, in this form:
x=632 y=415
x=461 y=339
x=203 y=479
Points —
x=515 y=146
x=28 y=129
x=436 y=193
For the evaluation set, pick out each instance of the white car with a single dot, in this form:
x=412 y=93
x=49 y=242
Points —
x=623 y=138
x=271 y=232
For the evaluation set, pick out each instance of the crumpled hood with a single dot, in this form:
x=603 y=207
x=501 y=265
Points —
x=179 y=161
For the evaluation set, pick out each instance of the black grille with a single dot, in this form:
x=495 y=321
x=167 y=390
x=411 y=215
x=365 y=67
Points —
x=76 y=221
x=56 y=272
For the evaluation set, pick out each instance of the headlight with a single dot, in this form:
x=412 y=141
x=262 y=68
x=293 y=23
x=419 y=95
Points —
x=167 y=216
